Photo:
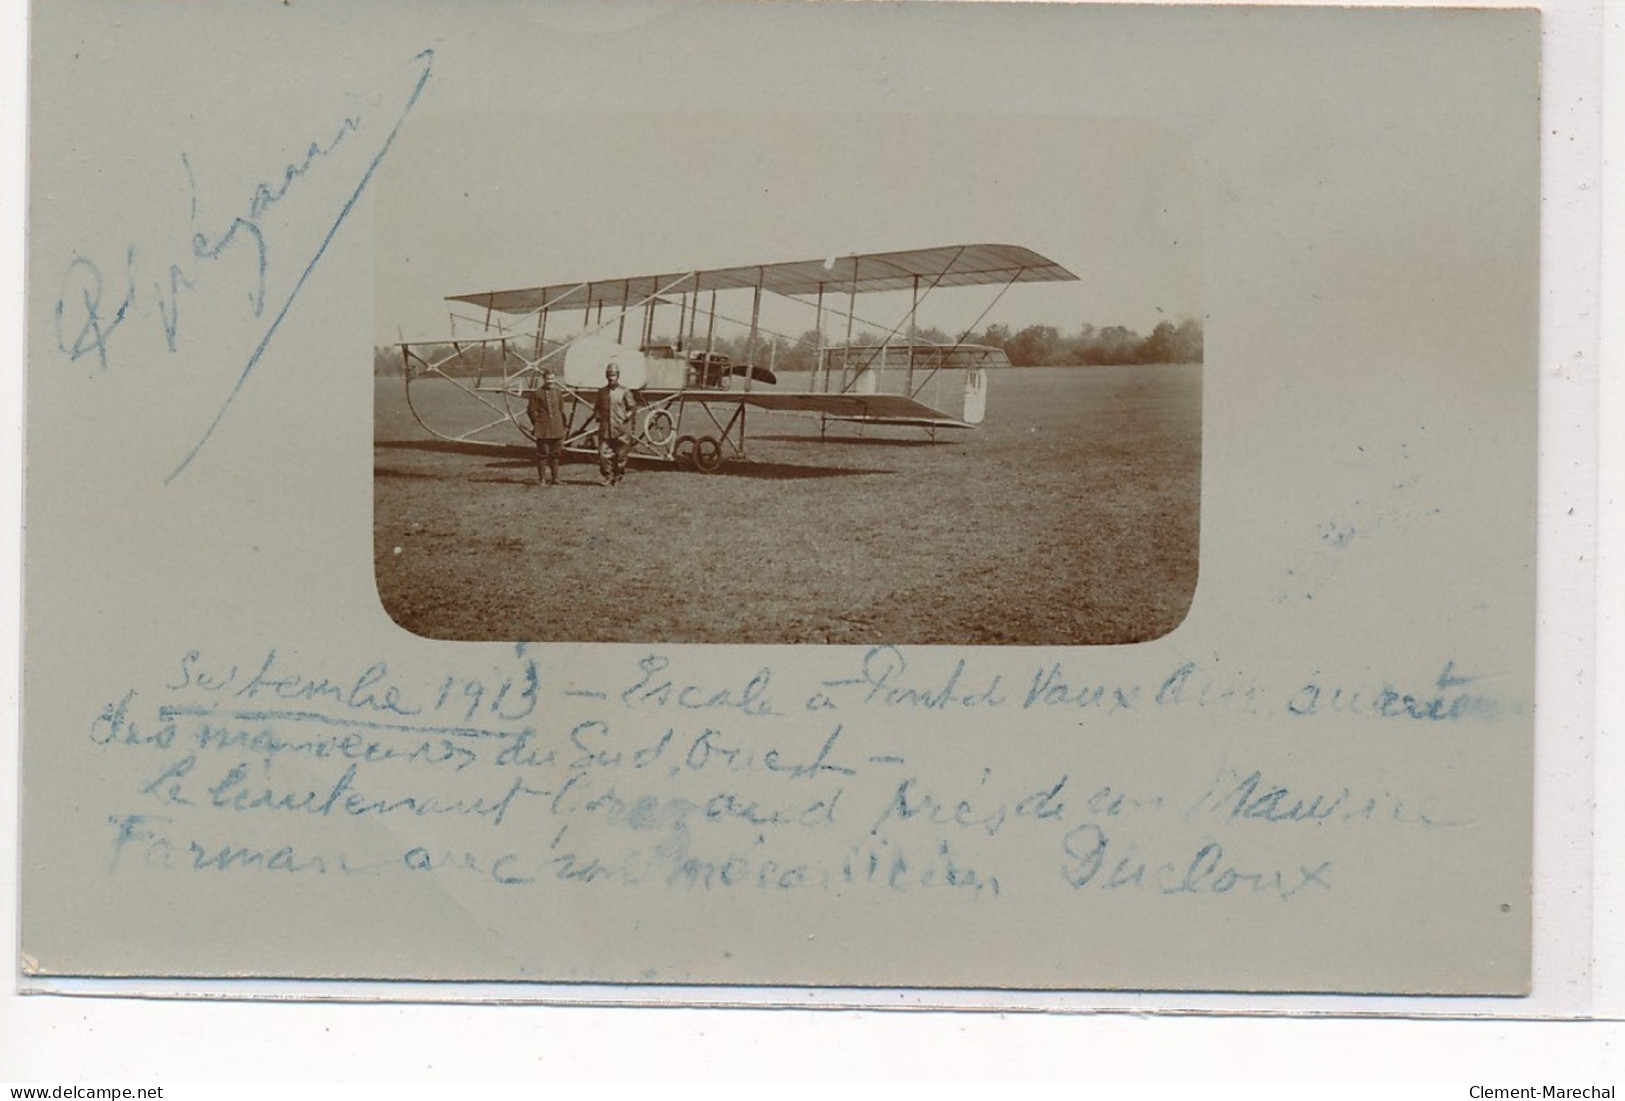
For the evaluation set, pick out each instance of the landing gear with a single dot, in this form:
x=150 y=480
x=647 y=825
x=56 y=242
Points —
x=659 y=428
x=683 y=450
x=707 y=454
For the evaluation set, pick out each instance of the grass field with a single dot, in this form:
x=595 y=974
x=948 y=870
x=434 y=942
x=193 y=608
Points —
x=1069 y=517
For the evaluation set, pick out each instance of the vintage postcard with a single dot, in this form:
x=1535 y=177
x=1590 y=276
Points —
x=956 y=496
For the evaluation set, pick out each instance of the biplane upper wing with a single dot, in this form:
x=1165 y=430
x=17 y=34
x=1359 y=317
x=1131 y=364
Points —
x=890 y=409
x=945 y=266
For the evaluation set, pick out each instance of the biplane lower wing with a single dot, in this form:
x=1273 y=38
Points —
x=886 y=409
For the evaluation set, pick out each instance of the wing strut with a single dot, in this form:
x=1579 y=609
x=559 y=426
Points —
x=959 y=342
x=942 y=273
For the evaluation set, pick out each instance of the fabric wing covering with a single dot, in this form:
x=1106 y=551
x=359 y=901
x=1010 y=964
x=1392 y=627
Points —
x=892 y=409
x=947 y=266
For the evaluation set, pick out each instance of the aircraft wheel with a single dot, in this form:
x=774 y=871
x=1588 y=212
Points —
x=683 y=450
x=660 y=428
x=707 y=454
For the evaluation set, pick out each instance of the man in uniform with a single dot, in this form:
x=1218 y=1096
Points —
x=617 y=425
x=545 y=408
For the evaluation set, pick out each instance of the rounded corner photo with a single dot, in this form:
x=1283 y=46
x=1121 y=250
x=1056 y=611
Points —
x=678 y=434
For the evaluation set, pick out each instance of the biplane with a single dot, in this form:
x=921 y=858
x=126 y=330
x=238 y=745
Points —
x=665 y=332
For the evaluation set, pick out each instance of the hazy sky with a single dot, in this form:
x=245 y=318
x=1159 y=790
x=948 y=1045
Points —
x=471 y=202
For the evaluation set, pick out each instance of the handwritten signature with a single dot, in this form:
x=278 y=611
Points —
x=86 y=321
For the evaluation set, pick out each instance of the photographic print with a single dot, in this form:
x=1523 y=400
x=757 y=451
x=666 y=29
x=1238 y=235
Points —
x=968 y=441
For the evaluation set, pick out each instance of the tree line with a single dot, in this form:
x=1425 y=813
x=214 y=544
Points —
x=1033 y=346
x=1045 y=346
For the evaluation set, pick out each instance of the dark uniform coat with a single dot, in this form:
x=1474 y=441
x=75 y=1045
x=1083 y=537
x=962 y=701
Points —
x=546 y=412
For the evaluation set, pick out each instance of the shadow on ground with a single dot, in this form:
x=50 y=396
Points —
x=510 y=457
